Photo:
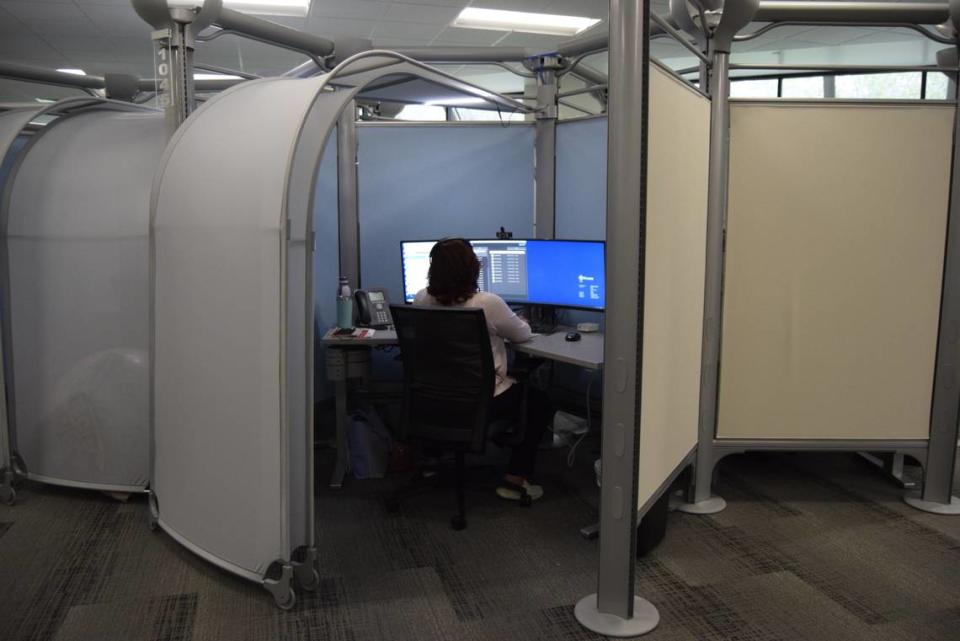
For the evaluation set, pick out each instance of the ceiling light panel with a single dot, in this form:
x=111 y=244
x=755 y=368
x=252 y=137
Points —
x=544 y=23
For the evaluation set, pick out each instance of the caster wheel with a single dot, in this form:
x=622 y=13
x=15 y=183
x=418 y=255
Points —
x=153 y=525
x=8 y=495
x=286 y=603
x=458 y=523
x=313 y=584
x=525 y=500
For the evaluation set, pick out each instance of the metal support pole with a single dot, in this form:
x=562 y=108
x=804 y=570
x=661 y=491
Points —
x=174 y=60
x=544 y=222
x=349 y=214
x=176 y=29
x=700 y=498
x=614 y=610
x=937 y=495
x=830 y=86
x=736 y=15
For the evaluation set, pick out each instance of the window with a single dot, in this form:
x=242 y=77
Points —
x=422 y=112
x=803 y=87
x=487 y=115
x=937 y=85
x=753 y=88
x=880 y=85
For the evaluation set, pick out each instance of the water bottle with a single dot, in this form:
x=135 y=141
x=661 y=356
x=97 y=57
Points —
x=344 y=305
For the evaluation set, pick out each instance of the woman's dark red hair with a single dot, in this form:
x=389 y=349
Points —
x=454 y=270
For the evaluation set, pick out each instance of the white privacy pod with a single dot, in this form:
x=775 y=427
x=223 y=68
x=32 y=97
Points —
x=75 y=223
x=233 y=318
x=12 y=124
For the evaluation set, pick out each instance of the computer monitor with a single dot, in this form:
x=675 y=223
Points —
x=559 y=273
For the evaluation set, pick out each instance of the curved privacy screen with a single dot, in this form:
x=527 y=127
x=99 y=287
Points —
x=562 y=273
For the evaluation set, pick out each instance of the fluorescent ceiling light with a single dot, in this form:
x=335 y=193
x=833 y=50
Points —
x=73 y=72
x=498 y=20
x=456 y=101
x=292 y=8
x=215 y=76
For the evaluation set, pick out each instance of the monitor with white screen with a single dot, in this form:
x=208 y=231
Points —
x=560 y=273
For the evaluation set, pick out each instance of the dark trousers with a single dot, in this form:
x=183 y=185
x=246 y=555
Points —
x=540 y=411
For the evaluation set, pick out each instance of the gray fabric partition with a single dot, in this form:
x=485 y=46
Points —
x=425 y=182
x=76 y=260
x=582 y=179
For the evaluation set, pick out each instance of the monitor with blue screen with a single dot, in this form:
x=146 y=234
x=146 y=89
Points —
x=559 y=273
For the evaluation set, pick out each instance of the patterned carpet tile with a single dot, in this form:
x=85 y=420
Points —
x=813 y=547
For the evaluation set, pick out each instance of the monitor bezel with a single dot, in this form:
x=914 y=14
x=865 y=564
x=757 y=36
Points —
x=601 y=310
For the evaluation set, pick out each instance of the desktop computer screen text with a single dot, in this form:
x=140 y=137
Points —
x=562 y=273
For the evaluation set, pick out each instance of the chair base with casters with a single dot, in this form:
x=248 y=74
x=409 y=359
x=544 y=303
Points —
x=422 y=483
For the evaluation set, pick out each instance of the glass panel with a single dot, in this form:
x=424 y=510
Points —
x=487 y=114
x=904 y=85
x=937 y=84
x=803 y=87
x=753 y=88
x=422 y=112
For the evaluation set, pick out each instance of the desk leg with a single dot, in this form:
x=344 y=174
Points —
x=343 y=449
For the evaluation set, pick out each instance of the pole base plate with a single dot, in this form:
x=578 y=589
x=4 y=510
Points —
x=914 y=500
x=712 y=505
x=645 y=618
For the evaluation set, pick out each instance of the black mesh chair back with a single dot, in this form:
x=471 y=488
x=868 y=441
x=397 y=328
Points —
x=448 y=374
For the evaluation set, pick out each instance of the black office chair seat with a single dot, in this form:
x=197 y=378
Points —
x=448 y=384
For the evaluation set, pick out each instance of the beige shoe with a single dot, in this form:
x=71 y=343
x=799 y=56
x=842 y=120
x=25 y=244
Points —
x=514 y=492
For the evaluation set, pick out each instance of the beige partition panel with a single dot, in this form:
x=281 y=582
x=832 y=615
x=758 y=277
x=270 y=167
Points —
x=673 y=297
x=835 y=240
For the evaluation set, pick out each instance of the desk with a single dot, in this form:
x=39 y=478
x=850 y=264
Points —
x=349 y=358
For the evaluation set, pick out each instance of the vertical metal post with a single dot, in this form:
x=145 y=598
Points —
x=349 y=214
x=829 y=86
x=174 y=65
x=614 y=610
x=736 y=15
x=700 y=497
x=544 y=222
x=176 y=28
x=937 y=495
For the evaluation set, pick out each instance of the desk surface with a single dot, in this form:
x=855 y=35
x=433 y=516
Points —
x=586 y=352
x=380 y=337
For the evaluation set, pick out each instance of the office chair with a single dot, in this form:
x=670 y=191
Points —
x=448 y=383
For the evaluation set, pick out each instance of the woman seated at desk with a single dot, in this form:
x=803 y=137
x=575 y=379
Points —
x=452 y=282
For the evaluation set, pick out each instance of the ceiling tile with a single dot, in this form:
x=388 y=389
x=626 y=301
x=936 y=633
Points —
x=586 y=8
x=43 y=10
x=533 y=40
x=468 y=37
x=446 y=3
x=536 y=6
x=9 y=24
x=117 y=20
x=54 y=28
x=83 y=43
x=27 y=46
x=423 y=13
x=331 y=27
x=407 y=30
x=360 y=9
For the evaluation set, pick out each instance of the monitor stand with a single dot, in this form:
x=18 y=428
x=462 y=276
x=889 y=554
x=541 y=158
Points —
x=543 y=320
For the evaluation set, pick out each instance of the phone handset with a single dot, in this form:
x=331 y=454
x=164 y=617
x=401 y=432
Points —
x=373 y=308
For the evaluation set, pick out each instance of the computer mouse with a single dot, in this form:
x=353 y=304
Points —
x=573 y=336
